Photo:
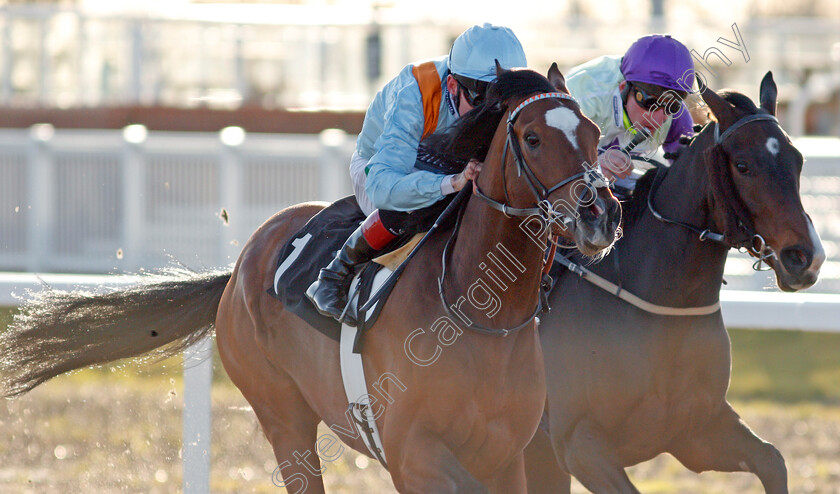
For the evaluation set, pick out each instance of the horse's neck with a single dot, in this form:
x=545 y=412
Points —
x=667 y=262
x=494 y=267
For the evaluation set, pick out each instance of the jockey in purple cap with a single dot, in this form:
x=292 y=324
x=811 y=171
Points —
x=636 y=100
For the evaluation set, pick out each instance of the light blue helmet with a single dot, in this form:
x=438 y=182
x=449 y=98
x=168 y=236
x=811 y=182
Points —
x=476 y=50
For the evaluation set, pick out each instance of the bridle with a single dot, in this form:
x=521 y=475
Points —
x=755 y=244
x=592 y=178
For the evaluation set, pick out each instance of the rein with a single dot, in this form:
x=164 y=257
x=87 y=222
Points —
x=471 y=325
x=632 y=299
x=592 y=178
x=756 y=245
x=703 y=235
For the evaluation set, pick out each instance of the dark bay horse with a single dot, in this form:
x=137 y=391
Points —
x=625 y=385
x=457 y=389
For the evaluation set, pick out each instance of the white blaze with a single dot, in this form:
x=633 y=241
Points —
x=773 y=145
x=564 y=119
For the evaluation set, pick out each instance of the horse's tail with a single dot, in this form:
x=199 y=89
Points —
x=57 y=331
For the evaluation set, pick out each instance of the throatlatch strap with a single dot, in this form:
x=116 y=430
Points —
x=429 y=81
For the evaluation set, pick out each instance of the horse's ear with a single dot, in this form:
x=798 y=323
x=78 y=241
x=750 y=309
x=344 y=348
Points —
x=723 y=110
x=499 y=69
x=556 y=78
x=767 y=93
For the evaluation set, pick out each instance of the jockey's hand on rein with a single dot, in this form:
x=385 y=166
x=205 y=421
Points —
x=615 y=164
x=471 y=172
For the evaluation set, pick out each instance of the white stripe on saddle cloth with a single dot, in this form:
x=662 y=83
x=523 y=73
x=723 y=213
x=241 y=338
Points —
x=352 y=372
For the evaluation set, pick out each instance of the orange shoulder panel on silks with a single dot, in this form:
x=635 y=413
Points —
x=429 y=81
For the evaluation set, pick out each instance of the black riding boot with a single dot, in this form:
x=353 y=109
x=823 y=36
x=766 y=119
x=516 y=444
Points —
x=329 y=292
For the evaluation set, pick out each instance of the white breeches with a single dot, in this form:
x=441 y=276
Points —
x=358 y=177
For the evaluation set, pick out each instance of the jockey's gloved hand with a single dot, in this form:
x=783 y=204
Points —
x=673 y=155
x=615 y=164
x=471 y=171
x=684 y=141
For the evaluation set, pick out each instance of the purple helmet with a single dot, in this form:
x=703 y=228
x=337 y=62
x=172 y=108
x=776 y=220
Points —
x=661 y=60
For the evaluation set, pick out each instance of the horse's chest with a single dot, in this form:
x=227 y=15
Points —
x=486 y=442
x=680 y=366
x=672 y=403
x=484 y=426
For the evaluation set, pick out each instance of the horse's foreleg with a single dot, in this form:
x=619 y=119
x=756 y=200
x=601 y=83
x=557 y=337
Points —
x=511 y=479
x=726 y=444
x=542 y=469
x=424 y=465
x=591 y=458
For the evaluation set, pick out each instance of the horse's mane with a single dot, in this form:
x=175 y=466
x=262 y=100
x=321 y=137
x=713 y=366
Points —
x=633 y=209
x=740 y=101
x=469 y=138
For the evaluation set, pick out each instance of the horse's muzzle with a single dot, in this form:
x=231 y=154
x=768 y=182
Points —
x=596 y=224
x=797 y=268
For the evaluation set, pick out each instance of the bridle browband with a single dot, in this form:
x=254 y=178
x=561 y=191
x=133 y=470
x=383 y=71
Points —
x=756 y=244
x=719 y=138
x=591 y=177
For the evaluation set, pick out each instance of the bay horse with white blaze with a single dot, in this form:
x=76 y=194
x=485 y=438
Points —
x=455 y=408
x=625 y=383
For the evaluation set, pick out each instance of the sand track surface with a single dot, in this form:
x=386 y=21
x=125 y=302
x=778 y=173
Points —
x=112 y=434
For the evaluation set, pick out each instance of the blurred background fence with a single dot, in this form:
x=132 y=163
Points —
x=125 y=199
x=108 y=201
x=120 y=198
x=338 y=53
x=117 y=201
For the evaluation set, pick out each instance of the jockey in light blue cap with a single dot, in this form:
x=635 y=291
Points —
x=425 y=98
x=637 y=98
x=475 y=51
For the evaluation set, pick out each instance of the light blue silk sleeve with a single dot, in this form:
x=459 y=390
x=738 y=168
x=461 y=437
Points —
x=392 y=182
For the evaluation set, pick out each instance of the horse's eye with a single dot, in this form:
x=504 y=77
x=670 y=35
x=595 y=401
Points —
x=742 y=167
x=532 y=140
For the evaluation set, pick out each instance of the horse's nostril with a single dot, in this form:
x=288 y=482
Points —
x=795 y=259
x=593 y=210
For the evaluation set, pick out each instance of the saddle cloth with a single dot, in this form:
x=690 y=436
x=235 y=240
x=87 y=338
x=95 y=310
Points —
x=312 y=248
x=316 y=244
